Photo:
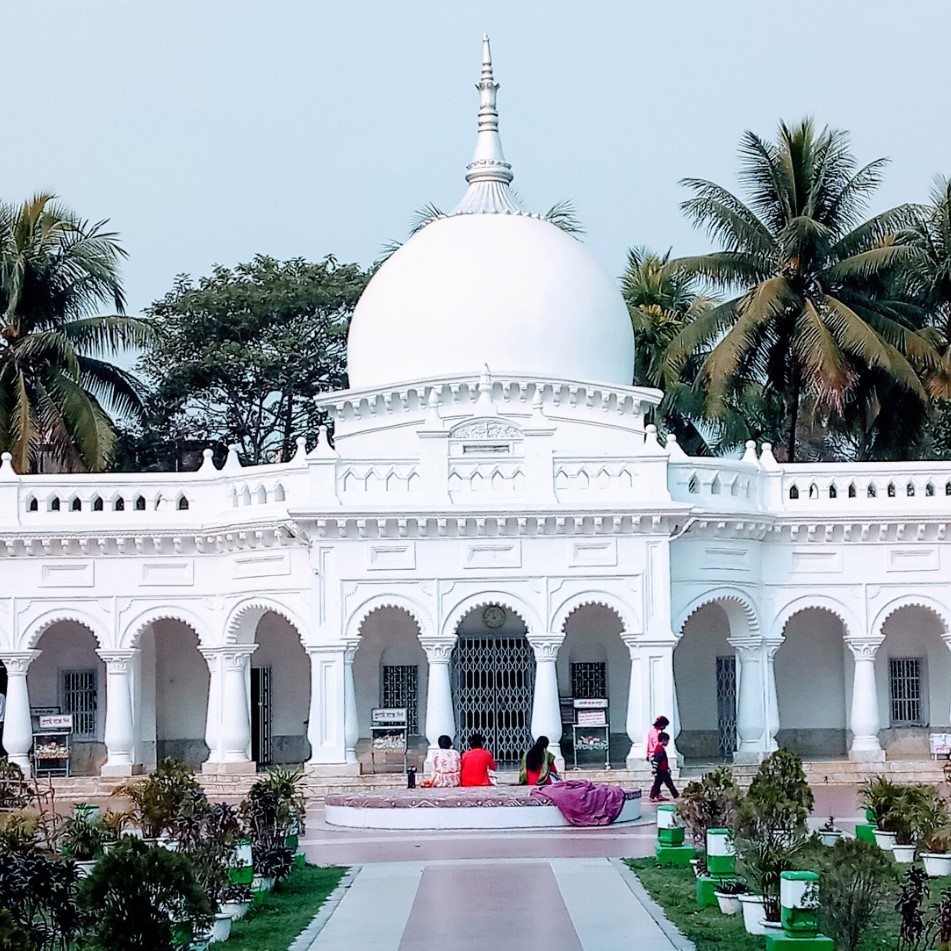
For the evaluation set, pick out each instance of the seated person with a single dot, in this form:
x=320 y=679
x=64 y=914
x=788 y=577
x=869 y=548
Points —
x=476 y=763
x=538 y=765
x=446 y=765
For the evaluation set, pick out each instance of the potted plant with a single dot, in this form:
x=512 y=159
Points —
x=287 y=787
x=878 y=797
x=160 y=798
x=113 y=825
x=916 y=810
x=828 y=833
x=271 y=864
x=728 y=896
x=935 y=852
x=82 y=840
x=237 y=900
x=770 y=829
x=708 y=803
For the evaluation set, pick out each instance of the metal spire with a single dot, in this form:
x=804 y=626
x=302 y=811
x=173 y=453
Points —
x=488 y=174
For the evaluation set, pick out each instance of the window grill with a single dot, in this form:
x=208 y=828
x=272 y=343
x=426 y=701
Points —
x=80 y=699
x=726 y=706
x=401 y=689
x=904 y=691
x=589 y=681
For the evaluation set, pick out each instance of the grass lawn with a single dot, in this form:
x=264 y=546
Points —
x=674 y=889
x=276 y=918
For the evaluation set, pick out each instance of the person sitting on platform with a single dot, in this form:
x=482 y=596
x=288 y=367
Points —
x=538 y=766
x=661 y=766
x=476 y=763
x=446 y=765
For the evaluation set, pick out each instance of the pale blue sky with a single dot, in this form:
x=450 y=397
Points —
x=209 y=130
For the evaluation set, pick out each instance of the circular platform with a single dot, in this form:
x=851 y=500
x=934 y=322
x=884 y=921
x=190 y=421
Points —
x=483 y=807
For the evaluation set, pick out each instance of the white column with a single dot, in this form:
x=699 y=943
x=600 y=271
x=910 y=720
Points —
x=120 y=723
x=657 y=691
x=772 y=698
x=326 y=722
x=546 y=706
x=864 y=720
x=751 y=713
x=351 y=728
x=17 y=726
x=636 y=722
x=228 y=729
x=440 y=719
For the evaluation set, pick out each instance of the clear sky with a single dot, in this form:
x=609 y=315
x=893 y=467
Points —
x=208 y=131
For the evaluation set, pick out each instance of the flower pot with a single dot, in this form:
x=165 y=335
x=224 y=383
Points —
x=729 y=904
x=262 y=883
x=771 y=927
x=220 y=929
x=752 y=906
x=242 y=855
x=830 y=838
x=693 y=865
x=884 y=840
x=85 y=867
x=237 y=909
x=936 y=863
x=904 y=854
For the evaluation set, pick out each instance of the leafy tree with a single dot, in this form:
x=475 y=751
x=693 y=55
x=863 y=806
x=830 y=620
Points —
x=243 y=352
x=57 y=386
x=818 y=307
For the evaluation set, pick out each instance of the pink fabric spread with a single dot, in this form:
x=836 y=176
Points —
x=583 y=803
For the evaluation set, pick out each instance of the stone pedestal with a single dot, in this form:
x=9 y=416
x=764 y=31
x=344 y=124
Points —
x=677 y=855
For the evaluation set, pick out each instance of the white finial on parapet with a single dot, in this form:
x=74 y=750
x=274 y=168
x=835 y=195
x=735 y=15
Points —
x=674 y=450
x=322 y=449
x=233 y=461
x=488 y=174
x=6 y=466
x=750 y=454
x=301 y=454
x=766 y=458
x=208 y=461
x=650 y=438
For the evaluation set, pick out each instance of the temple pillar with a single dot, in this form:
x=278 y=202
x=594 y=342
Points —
x=119 y=734
x=440 y=719
x=546 y=705
x=18 y=726
x=864 y=720
x=751 y=702
x=228 y=729
x=329 y=727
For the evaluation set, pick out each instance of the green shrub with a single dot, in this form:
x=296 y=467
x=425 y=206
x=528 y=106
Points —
x=709 y=803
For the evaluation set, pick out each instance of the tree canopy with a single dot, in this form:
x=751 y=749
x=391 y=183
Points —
x=240 y=354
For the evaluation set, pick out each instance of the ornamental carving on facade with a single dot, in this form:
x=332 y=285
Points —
x=486 y=429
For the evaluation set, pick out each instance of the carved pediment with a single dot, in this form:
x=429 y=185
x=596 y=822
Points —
x=485 y=429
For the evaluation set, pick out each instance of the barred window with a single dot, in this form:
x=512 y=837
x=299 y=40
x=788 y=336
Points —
x=589 y=681
x=400 y=688
x=904 y=691
x=80 y=693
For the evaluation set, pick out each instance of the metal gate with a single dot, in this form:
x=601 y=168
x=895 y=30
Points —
x=261 y=716
x=726 y=707
x=493 y=682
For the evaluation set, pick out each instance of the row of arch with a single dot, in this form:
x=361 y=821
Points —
x=871 y=490
x=76 y=503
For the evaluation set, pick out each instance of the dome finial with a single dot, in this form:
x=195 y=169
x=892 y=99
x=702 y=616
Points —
x=488 y=174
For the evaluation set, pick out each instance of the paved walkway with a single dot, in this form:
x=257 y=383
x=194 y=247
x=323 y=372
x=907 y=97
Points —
x=568 y=904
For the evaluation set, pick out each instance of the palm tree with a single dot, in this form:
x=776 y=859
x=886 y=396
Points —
x=815 y=305
x=56 y=383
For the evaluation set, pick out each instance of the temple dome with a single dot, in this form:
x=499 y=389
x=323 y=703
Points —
x=490 y=285
x=508 y=290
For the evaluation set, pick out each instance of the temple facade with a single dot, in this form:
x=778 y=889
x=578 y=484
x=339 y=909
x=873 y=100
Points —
x=493 y=530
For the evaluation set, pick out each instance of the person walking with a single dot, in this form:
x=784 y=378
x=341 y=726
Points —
x=661 y=767
x=660 y=724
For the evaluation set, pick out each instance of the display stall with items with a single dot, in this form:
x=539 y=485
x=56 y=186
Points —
x=51 y=744
x=388 y=727
x=590 y=732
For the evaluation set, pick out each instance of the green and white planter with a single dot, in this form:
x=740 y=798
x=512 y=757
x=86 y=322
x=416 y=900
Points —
x=242 y=872
x=721 y=852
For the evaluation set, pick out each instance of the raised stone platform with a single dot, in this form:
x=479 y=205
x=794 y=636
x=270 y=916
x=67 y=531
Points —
x=483 y=807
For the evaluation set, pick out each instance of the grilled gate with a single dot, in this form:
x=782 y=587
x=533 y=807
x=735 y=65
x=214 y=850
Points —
x=261 y=751
x=726 y=706
x=493 y=681
x=79 y=699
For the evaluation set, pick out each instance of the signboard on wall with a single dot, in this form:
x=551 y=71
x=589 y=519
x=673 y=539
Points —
x=388 y=716
x=591 y=703
x=56 y=721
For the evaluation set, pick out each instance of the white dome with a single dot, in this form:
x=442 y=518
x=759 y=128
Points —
x=506 y=290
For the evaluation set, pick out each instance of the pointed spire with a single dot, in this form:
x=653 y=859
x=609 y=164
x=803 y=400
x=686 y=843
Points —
x=488 y=174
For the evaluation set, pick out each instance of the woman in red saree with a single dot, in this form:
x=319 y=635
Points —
x=538 y=765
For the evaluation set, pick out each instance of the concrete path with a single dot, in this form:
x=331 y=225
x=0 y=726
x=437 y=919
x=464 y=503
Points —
x=571 y=904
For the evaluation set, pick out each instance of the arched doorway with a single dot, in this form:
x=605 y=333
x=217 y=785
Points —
x=390 y=670
x=69 y=677
x=594 y=663
x=705 y=671
x=280 y=693
x=172 y=706
x=493 y=681
x=913 y=675
x=811 y=684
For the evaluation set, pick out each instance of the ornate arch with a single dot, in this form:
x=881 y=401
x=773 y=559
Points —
x=508 y=600
x=41 y=624
x=912 y=601
x=601 y=598
x=736 y=602
x=851 y=625
x=245 y=616
x=134 y=629
x=354 y=625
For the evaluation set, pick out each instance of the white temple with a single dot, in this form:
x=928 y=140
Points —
x=493 y=530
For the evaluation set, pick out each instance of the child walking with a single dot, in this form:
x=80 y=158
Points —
x=661 y=767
